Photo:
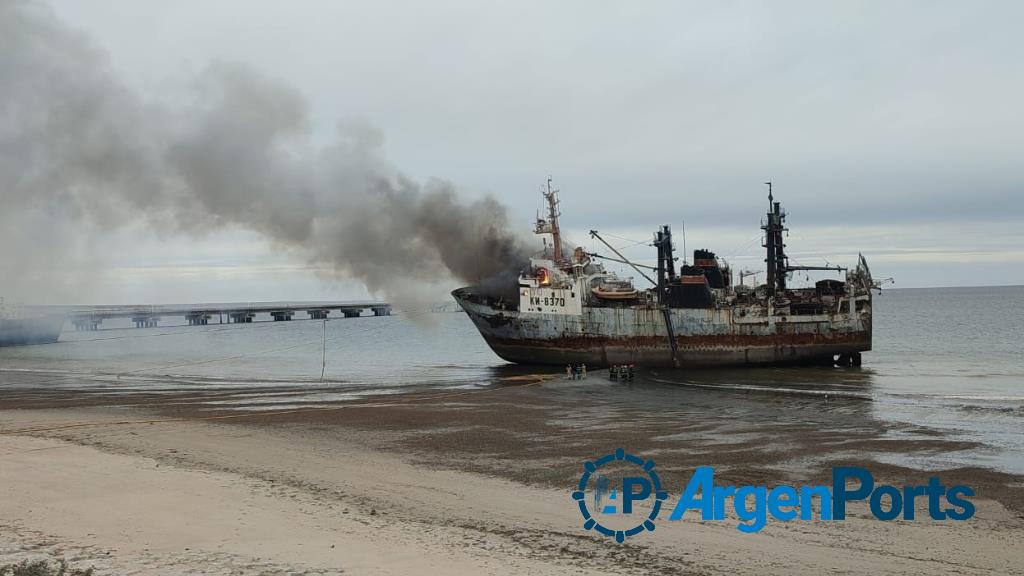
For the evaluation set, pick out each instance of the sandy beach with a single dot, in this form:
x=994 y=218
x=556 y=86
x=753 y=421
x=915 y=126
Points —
x=428 y=484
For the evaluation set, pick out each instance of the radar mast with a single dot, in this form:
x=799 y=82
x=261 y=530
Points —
x=550 y=226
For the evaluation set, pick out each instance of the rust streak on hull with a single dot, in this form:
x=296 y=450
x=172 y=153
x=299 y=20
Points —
x=692 y=351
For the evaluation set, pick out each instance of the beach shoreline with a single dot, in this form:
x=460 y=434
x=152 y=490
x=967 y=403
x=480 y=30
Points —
x=432 y=482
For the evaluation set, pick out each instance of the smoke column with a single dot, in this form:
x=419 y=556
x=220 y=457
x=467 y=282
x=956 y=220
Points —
x=77 y=146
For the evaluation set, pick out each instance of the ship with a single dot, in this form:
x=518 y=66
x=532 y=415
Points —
x=19 y=327
x=570 y=310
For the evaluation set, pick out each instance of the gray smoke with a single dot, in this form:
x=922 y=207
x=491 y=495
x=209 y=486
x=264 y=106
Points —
x=79 y=147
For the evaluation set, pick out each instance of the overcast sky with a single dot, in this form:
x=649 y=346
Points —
x=890 y=128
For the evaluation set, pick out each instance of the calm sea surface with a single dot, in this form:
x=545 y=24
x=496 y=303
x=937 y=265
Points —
x=950 y=359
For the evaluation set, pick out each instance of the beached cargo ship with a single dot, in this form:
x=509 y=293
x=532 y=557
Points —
x=571 y=310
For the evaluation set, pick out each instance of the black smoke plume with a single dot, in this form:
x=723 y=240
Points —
x=78 y=146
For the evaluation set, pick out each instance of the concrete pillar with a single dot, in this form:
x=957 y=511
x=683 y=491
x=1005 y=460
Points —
x=198 y=319
x=282 y=315
x=87 y=324
x=239 y=317
x=351 y=313
x=381 y=310
x=318 y=314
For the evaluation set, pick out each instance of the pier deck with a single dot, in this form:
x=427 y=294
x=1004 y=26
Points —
x=147 y=316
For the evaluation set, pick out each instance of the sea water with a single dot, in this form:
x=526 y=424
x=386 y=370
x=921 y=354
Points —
x=948 y=359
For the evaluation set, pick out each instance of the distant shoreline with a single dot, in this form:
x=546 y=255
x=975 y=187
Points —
x=888 y=288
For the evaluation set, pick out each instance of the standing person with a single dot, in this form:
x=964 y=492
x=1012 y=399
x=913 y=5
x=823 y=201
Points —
x=583 y=371
x=568 y=372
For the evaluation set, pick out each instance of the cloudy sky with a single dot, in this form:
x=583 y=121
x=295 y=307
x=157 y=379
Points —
x=890 y=128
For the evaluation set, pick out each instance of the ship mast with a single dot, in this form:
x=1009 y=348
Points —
x=551 y=226
x=776 y=257
x=777 y=261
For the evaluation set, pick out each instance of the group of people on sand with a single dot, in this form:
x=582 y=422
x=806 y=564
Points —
x=621 y=371
x=575 y=371
x=615 y=371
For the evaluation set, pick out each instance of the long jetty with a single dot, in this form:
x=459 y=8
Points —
x=147 y=316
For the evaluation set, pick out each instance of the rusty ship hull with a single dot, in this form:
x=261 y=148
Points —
x=704 y=337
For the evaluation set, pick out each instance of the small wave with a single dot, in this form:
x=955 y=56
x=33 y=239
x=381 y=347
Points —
x=452 y=366
x=960 y=397
x=297 y=400
x=1007 y=410
x=470 y=386
x=766 y=389
x=42 y=371
x=981 y=398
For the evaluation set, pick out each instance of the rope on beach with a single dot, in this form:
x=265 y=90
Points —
x=529 y=380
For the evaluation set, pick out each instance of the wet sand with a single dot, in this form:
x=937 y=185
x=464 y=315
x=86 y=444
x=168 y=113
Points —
x=475 y=481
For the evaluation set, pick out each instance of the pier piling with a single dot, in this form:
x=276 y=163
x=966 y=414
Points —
x=88 y=319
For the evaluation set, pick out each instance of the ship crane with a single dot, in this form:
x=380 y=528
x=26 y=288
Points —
x=610 y=259
x=624 y=260
x=665 y=258
x=836 y=268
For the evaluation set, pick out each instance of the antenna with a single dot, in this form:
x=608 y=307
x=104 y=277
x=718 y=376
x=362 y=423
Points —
x=685 y=253
x=770 y=199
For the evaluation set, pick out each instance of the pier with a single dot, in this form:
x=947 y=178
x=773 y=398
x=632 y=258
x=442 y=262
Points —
x=146 y=316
